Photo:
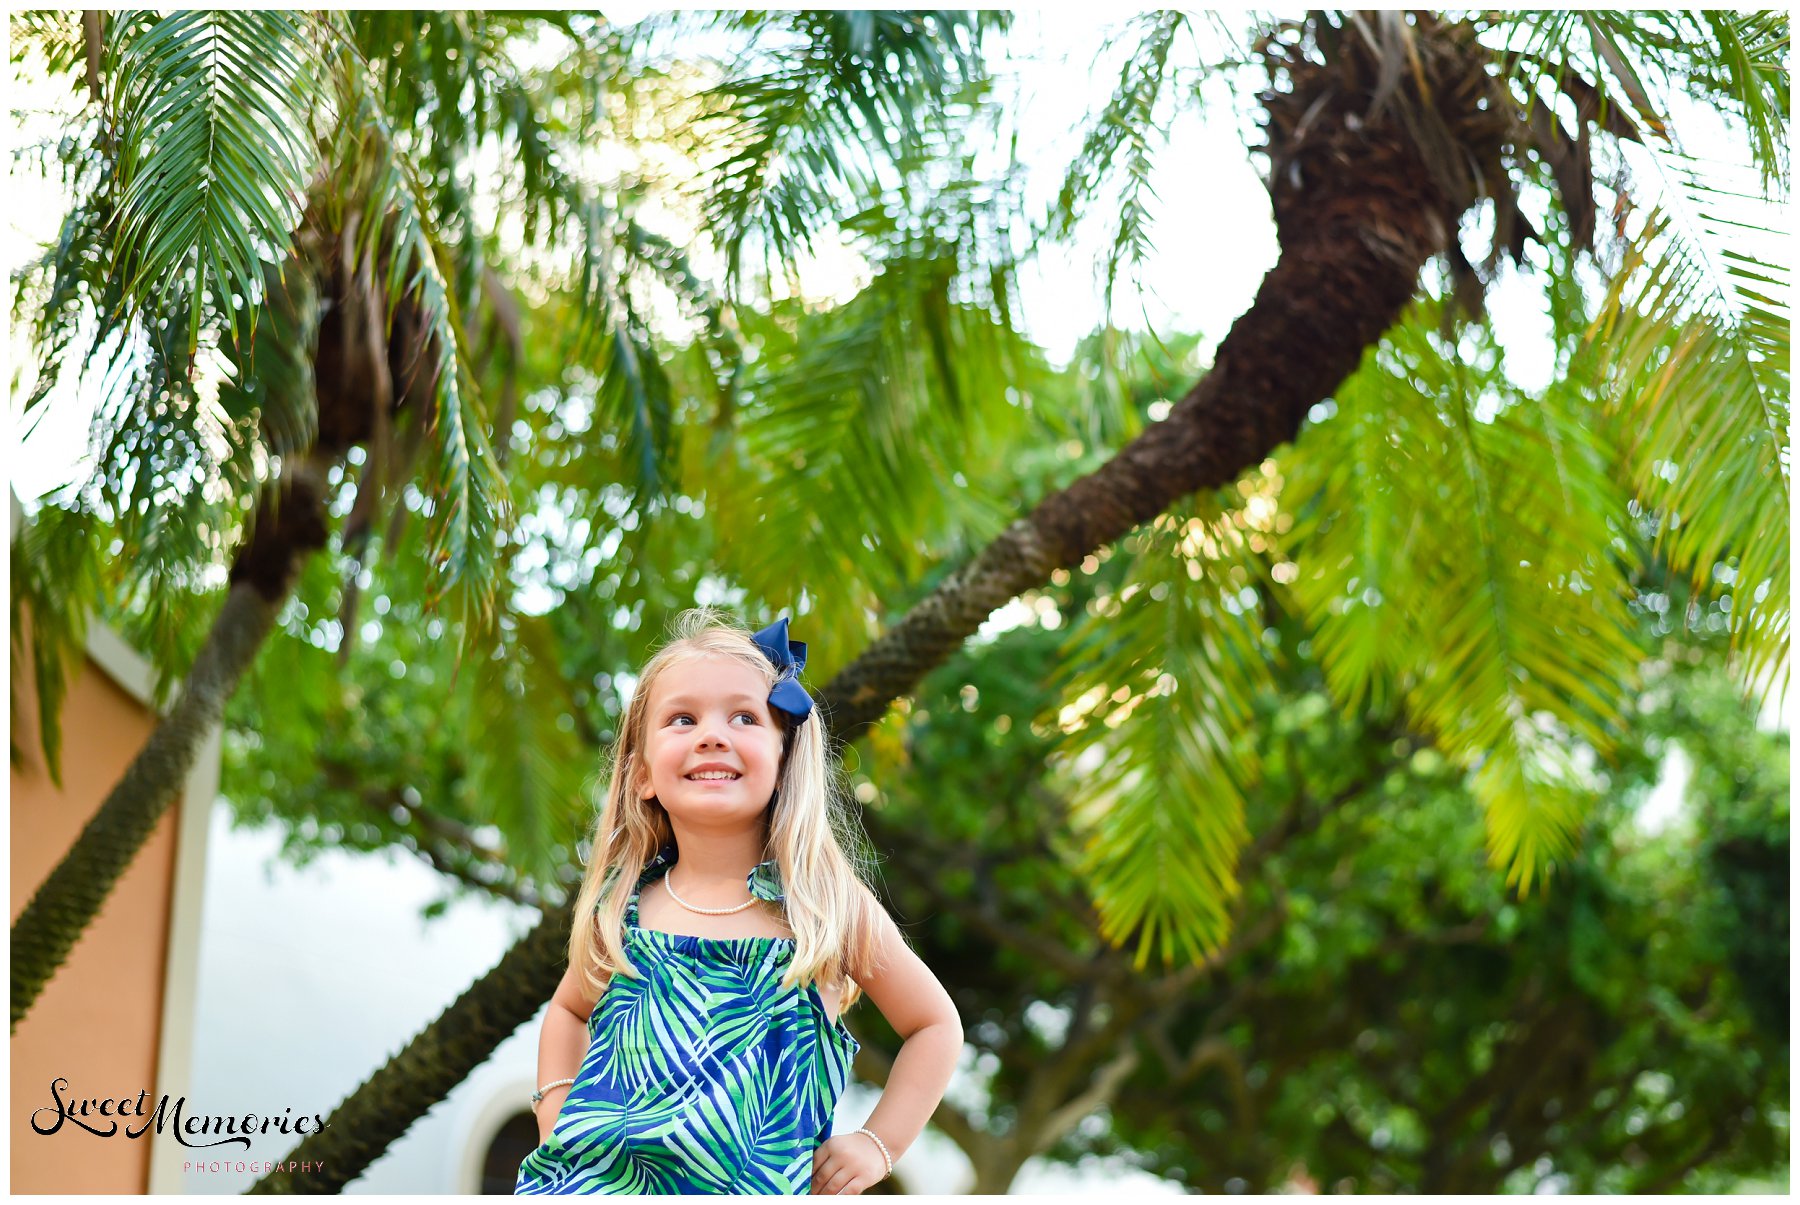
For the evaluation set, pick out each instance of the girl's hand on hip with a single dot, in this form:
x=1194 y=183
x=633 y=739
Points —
x=845 y=1165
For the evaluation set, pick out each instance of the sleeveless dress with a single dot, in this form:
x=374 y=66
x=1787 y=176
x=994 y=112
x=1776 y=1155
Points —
x=703 y=1077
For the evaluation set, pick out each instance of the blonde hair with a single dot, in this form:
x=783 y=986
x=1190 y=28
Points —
x=809 y=833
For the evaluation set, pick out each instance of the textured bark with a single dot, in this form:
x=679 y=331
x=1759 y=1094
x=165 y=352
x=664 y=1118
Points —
x=1359 y=211
x=284 y=533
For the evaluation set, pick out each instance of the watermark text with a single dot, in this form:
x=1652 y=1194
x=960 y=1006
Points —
x=101 y=1116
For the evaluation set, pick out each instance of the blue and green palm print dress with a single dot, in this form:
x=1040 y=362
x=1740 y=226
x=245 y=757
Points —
x=705 y=1076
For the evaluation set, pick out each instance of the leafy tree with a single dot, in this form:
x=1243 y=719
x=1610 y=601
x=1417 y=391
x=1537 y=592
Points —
x=1460 y=552
x=1385 y=1018
x=1381 y=996
x=200 y=207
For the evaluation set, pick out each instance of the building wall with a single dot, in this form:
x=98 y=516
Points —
x=104 y=1022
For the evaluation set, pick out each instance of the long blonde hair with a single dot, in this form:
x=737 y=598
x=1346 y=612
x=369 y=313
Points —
x=809 y=832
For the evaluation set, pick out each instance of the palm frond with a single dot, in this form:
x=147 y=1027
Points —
x=613 y=336
x=1353 y=530
x=1690 y=344
x=1158 y=730
x=56 y=578
x=1737 y=61
x=63 y=299
x=864 y=431
x=209 y=107
x=671 y=266
x=1496 y=611
x=527 y=776
x=1121 y=143
x=174 y=464
x=468 y=492
x=844 y=111
x=634 y=402
x=1692 y=353
x=272 y=380
x=56 y=34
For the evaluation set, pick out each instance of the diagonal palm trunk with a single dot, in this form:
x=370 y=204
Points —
x=1359 y=214
x=288 y=527
x=339 y=366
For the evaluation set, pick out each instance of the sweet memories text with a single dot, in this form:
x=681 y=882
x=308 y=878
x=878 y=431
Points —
x=102 y=1116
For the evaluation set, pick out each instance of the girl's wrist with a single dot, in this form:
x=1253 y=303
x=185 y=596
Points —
x=886 y=1155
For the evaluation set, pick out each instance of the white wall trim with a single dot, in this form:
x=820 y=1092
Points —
x=123 y=664
x=181 y=966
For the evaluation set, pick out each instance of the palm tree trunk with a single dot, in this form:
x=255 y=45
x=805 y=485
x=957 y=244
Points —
x=1358 y=214
x=288 y=526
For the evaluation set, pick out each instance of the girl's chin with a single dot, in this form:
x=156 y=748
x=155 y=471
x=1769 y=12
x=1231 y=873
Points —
x=735 y=789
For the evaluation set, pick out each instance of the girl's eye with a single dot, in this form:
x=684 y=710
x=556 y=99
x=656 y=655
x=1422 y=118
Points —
x=682 y=715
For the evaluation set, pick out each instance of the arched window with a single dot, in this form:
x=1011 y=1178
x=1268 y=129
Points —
x=515 y=1140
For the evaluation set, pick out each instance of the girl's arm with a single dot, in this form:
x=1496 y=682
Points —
x=562 y=1043
x=921 y=1012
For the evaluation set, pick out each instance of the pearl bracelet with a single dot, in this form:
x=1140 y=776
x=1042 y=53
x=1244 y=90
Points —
x=537 y=1098
x=878 y=1142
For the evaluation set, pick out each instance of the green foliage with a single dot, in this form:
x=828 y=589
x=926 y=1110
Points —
x=1695 y=361
x=55 y=577
x=207 y=109
x=1410 y=1029
x=1160 y=679
x=1452 y=545
x=54 y=33
x=1735 y=61
x=853 y=409
x=1122 y=142
x=274 y=380
x=1388 y=1018
x=463 y=478
x=845 y=110
x=1739 y=774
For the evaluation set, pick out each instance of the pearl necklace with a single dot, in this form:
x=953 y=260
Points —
x=668 y=883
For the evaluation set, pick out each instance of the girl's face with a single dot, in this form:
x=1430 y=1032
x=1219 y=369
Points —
x=711 y=712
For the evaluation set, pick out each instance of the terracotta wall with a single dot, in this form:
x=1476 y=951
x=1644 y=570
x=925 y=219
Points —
x=97 y=1022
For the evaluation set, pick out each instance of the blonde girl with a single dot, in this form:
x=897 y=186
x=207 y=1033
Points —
x=696 y=1043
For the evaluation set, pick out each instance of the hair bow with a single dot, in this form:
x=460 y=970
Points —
x=789 y=658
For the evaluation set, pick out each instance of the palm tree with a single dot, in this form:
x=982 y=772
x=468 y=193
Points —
x=224 y=139
x=184 y=106
x=1384 y=130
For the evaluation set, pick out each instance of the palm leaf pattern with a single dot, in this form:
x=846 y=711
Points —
x=705 y=1076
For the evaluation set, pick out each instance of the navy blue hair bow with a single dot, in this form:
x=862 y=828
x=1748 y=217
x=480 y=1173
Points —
x=789 y=658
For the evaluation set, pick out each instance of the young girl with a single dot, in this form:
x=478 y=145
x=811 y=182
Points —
x=695 y=1044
